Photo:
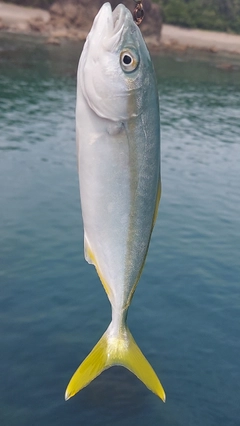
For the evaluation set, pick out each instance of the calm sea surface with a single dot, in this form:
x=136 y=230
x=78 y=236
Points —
x=185 y=314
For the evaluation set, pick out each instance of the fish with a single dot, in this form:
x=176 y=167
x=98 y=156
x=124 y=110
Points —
x=118 y=151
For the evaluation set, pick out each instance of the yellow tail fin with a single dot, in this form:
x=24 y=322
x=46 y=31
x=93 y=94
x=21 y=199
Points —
x=109 y=351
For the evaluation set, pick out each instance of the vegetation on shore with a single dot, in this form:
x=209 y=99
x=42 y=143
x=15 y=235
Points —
x=216 y=15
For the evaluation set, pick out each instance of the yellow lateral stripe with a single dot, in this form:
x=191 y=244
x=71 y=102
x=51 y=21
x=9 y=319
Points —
x=154 y=221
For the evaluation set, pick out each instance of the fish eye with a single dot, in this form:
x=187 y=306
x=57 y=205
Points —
x=129 y=60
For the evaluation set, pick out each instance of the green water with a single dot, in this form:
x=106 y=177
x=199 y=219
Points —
x=185 y=314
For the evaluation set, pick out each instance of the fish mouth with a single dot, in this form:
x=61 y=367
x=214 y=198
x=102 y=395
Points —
x=119 y=16
x=109 y=26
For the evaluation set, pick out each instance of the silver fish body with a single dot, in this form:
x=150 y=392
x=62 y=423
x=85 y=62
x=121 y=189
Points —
x=118 y=144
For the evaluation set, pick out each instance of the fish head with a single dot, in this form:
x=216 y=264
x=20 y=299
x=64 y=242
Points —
x=115 y=66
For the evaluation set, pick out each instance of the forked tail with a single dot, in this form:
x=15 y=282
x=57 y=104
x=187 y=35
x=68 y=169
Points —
x=111 y=350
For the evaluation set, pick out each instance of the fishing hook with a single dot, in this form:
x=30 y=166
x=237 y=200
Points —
x=138 y=13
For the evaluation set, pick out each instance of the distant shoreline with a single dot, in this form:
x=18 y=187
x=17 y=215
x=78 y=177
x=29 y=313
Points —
x=18 y=19
x=184 y=38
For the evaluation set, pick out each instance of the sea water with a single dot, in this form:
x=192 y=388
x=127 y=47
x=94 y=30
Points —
x=185 y=314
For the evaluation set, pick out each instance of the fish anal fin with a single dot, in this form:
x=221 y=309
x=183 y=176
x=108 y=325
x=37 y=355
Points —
x=115 y=350
x=88 y=252
x=91 y=258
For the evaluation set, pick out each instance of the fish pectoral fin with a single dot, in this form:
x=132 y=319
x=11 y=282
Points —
x=109 y=351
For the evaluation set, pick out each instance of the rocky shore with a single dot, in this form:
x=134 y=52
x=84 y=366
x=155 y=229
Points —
x=72 y=19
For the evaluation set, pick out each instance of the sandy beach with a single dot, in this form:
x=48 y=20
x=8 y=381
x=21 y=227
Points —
x=183 y=38
x=37 y=21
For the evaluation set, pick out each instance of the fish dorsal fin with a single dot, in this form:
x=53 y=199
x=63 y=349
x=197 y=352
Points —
x=157 y=203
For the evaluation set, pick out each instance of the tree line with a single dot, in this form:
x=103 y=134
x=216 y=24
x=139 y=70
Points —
x=217 y=15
